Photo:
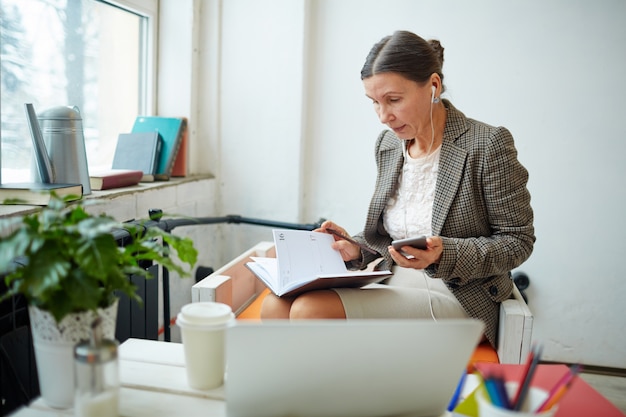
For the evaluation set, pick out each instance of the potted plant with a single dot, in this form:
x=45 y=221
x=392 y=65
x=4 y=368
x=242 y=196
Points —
x=73 y=271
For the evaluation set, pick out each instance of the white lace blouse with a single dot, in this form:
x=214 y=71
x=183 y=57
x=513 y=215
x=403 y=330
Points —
x=409 y=212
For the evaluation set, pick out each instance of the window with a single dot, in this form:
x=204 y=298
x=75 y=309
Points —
x=92 y=54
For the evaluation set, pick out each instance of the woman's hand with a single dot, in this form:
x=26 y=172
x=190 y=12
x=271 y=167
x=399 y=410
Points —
x=411 y=257
x=348 y=251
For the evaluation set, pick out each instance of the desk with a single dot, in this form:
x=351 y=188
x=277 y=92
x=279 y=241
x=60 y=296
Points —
x=153 y=384
x=581 y=400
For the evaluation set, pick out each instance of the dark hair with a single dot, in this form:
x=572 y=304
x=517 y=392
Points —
x=407 y=54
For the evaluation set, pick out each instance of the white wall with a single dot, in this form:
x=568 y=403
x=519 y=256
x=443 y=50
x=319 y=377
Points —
x=261 y=114
x=295 y=139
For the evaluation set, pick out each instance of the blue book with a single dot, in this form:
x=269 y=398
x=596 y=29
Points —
x=138 y=151
x=171 y=130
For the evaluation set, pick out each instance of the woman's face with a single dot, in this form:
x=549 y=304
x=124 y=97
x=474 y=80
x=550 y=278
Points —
x=401 y=104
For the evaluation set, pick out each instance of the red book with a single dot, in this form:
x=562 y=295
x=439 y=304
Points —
x=180 y=163
x=581 y=400
x=114 y=178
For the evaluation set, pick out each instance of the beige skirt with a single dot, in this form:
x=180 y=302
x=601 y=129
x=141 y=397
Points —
x=409 y=293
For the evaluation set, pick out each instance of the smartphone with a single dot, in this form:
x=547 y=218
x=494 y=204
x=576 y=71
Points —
x=416 y=242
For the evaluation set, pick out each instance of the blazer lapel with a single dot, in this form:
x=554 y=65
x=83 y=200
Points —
x=390 y=159
x=451 y=166
x=393 y=160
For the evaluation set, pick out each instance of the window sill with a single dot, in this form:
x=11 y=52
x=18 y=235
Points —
x=113 y=194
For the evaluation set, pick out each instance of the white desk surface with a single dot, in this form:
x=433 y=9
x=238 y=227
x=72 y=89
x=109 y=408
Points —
x=153 y=384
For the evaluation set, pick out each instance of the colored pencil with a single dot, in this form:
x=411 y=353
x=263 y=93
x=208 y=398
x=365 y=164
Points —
x=529 y=360
x=559 y=389
x=457 y=392
x=492 y=391
x=525 y=383
x=502 y=394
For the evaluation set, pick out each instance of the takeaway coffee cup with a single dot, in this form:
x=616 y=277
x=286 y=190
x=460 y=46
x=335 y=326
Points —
x=202 y=327
x=535 y=398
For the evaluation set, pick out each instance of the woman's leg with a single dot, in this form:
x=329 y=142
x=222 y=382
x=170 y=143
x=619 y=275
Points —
x=409 y=293
x=274 y=307
x=311 y=305
x=323 y=304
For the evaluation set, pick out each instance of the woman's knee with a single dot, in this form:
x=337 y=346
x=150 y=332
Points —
x=274 y=307
x=317 y=305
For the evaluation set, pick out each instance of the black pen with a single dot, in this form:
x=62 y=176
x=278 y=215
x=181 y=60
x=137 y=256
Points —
x=349 y=239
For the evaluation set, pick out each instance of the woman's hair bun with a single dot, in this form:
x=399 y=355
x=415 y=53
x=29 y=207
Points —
x=438 y=48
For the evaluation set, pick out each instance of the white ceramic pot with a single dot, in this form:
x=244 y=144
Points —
x=54 y=349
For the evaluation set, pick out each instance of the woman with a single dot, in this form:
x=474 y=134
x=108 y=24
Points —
x=442 y=175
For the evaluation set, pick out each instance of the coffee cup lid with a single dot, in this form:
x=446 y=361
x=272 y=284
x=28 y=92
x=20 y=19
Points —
x=204 y=314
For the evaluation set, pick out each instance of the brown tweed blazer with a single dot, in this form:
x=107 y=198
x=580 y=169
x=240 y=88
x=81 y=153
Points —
x=481 y=210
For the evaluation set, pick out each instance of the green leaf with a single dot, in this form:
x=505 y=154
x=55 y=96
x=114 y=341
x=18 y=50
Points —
x=99 y=255
x=82 y=292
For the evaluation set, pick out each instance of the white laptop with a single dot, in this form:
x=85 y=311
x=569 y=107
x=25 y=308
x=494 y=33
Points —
x=339 y=368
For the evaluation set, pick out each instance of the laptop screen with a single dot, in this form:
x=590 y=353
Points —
x=346 y=368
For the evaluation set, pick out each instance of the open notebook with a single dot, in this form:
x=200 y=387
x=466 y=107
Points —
x=338 y=368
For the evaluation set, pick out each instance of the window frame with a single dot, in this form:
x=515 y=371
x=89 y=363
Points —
x=148 y=12
x=149 y=9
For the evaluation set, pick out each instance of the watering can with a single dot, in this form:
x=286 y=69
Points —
x=59 y=145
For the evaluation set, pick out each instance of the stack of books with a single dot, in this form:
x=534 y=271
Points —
x=157 y=146
x=155 y=149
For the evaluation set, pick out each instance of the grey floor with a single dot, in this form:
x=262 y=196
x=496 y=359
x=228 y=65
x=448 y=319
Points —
x=611 y=386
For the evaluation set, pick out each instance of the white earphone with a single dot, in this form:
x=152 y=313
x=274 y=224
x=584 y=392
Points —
x=433 y=99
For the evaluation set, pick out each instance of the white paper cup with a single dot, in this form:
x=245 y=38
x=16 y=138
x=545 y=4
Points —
x=534 y=399
x=202 y=326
